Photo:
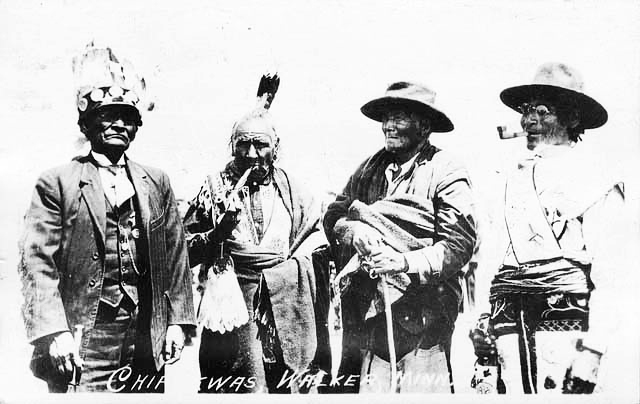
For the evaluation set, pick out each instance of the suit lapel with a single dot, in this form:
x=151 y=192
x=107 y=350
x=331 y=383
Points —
x=93 y=194
x=139 y=180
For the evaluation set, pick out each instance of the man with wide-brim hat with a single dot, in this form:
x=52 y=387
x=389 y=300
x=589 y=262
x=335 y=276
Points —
x=403 y=229
x=552 y=308
x=104 y=261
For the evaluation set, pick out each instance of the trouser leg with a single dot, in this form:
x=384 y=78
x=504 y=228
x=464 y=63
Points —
x=419 y=371
x=514 y=325
x=231 y=362
x=275 y=373
x=217 y=354
x=111 y=347
x=508 y=351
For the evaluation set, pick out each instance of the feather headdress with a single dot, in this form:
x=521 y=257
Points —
x=258 y=120
x=267 y=91
x=102 y=79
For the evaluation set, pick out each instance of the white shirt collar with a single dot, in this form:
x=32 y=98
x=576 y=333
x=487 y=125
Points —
x=103 y=161
x=404 y=167
x=550 y=151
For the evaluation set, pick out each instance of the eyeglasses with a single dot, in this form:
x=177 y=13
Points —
x=540 y=109
x=111 y=115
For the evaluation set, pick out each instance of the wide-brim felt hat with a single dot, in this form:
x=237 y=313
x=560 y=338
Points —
x=561 y=85
x=412 y=97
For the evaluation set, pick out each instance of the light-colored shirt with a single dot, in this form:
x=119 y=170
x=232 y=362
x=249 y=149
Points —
x=589 y=219
x=115 y=182
x=399 y=172
x=277 y=223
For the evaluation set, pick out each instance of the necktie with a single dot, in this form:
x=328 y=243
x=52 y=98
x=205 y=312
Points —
x=121 y=187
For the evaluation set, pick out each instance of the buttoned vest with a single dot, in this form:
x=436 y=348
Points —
x=123 y=255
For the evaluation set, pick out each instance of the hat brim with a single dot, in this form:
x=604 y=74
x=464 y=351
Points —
x=98 y=106
x=592 y=114
x=376 y=109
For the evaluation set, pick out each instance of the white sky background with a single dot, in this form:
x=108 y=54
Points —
x=203 y=60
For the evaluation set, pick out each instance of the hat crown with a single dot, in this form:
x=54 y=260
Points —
x=408 y=96
x=562 y=85
x=559 y=75
x=412 y=91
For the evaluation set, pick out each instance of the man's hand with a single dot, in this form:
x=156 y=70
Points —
x=581 y=377
x=224 y=228
x=173 y=345
x=365 y=239
x=385 y=260
x=484 y=343
x=64 y=355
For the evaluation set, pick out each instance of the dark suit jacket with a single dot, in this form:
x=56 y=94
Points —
x=62 y=252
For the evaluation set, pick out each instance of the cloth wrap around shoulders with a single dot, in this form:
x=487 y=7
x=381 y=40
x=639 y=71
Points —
x=293 y=295
x=406 y=223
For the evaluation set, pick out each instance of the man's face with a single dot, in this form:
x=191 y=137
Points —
x=543 y=125
x=254 y=146
x=111 y=129
x=402 y=132
x=254 y=150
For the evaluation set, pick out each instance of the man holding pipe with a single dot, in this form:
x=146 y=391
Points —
x=264 y=303
x=552 y=299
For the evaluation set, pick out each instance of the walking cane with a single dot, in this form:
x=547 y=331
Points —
x=390 y=341
x=393 y=383
x=77 y=367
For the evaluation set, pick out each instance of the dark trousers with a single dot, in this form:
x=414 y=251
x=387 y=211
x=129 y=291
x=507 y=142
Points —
x=118 y=356
x=232 y=363
x=525 y=315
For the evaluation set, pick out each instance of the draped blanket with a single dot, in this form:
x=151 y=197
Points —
x=406 y=223
x=284 y=308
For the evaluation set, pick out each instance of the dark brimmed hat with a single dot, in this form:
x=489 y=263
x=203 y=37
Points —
x=413 y=97
x=562 y=85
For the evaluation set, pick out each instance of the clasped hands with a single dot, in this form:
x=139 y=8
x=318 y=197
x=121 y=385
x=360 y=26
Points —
x=377 y=258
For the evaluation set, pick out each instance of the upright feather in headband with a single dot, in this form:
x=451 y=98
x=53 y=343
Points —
x=267 y=90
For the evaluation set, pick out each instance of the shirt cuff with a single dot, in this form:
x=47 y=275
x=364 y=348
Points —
x=426 y=262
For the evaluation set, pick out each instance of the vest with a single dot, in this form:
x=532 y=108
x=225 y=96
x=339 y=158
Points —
x=123 y=263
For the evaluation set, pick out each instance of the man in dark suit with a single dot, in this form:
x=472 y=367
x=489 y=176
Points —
x=104 y=262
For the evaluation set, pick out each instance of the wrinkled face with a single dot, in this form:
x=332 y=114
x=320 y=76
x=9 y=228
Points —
x=543 y=124
x=111 y=129
x=403 y=132
x=254 y=147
